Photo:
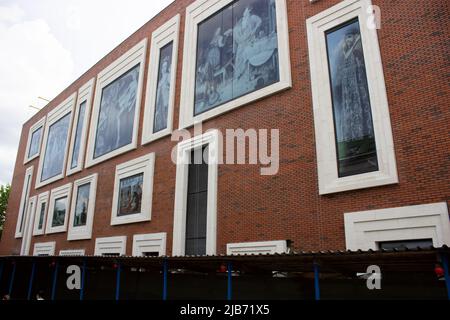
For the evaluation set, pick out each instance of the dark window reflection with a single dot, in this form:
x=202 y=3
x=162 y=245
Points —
x=237 y=53
x=355 y=139
x=41 y=216
x=130 y=195
x=76 y=145
x=59 y=212
x=82 y=205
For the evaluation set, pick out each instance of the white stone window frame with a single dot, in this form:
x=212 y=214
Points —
x=72 y=252
x=366 y=229
x=150 y=242
x=195 y=14
x=44 y=248
x=28 y=227
x=24 y=200
x=145 y=165
x=110 y=245
x=184 y=149
x=85 y=94
x=41 y=199
x=115 y=70
x=83 y=232
x=167 y=33
x=329 y=181
x=57 y=193
x=53 y=116
x=258 y=247
x=38 y=125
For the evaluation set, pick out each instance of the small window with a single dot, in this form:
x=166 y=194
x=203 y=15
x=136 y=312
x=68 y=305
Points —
x=58 y=212
x=406 y=244
x=34 y=140
x=41 y=212
x=150 y=254
x=130 y=195
x=35 y=143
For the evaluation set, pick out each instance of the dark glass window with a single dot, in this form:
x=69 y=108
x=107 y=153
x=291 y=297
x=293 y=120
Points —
x=150 y=254
x=82 y=205
x=355 y=138
x=406 y=244
x=59 y=212
x=76 y=145
x=41 y=215
x=130 y=195
x=237 y=53
x=56 y=148
x=116 y=114
x=34 y=143
x=24 y=208
x=197 y=200
x=163 y=88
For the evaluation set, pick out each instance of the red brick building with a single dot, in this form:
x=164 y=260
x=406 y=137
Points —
x=363 y=119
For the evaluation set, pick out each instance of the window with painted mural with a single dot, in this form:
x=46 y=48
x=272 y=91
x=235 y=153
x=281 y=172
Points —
x=130 y=195
x=116 y=114
x=59 y=212
x=237 y=53
x=82 y=204
x=163 y=88
x=56 y=148
x=355 y=138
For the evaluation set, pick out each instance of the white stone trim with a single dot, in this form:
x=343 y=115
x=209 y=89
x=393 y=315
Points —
x=260 y=247
x=39 y=124
x=145 y=165
x=85 y=94
x=150 y=242
x=72 y=252
x=42 y=198
x=365 y=229
x=26 y=239
x=44 y=248
x=24 y=200
x=184 y=149
x=83 y=232
x=329 y=182
x=110 y=245
x=53 y=116
x=60 y=192
x=161 y=37
x=195 y=14
x=122 y=65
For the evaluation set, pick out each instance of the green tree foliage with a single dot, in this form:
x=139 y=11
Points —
x=4 y=195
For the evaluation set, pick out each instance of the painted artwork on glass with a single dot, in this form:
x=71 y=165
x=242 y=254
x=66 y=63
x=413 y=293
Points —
x=355 y=138
x=237 y=53
x=41 y=216
x=130 y=195
x=82 y=205
x=56 y=148
x=116 y=114
x=76 y=145
x=163 y=88
x=59 y=212
x=35 y=141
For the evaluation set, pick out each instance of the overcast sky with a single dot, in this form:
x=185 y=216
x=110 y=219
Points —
x=47 y=44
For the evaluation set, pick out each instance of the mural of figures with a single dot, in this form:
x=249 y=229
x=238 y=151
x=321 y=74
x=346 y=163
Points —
x=130 y=195
x=81 y=206
x=34 y=144
x=351 y=102
x=163 y=88
x=76 y=145
x=59 y=212
x=237 y=53
x=56 y=148
x=116 y=115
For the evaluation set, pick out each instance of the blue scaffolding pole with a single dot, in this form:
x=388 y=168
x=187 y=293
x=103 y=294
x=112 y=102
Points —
x=55 y=279
x=164 y=293
x=119 y=270
x=229 y=286
x=30 y=284
x=316 y=281
x=11 y=280
x=444 y=260
x=83 y=275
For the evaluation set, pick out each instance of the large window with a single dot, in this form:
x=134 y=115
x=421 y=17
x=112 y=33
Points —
x=235 y=52
x=115 y=112
x=56 y=140
x=34 y=140
x=351 y=115
x=160 y=96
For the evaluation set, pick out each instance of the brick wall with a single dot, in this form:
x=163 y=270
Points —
x=414 y=47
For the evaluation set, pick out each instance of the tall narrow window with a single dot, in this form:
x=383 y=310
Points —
x=24 y=203
x=82 y=205
x=78 y=132
x=197 y=200
x=354 y=133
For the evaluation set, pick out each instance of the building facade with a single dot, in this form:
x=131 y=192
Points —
x=352 y=95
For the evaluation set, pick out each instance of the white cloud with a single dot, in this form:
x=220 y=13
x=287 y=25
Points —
x=32 y=63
